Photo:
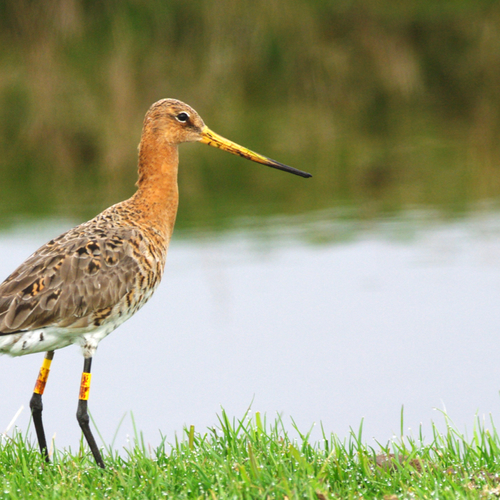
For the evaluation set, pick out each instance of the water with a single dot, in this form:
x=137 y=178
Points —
x=398 y=312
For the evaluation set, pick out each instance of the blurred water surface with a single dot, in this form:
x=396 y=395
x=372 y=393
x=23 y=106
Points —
x=400 y=311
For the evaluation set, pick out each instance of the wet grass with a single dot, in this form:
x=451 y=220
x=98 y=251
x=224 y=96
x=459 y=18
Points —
x=254 y=459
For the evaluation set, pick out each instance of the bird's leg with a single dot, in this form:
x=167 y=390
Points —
x=82 y=413
x=37 y=406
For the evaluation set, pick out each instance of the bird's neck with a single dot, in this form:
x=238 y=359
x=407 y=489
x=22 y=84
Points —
x=157 y=195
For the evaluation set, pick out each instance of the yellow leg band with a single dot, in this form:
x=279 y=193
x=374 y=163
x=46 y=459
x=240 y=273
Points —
x=85 y=386
x=42 y=376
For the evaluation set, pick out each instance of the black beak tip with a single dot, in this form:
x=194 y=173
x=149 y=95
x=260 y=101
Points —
x=300 y=173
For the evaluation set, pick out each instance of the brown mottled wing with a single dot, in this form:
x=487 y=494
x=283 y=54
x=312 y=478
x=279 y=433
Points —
x=70 y=281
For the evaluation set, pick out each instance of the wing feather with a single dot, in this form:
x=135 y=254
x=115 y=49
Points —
x=70 y=280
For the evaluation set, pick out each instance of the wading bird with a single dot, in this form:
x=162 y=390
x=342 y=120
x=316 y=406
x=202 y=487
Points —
x=80 y=286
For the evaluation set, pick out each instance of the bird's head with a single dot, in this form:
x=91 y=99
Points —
x=175 y=122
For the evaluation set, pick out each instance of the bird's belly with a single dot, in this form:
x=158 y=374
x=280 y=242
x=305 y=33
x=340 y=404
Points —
x=50 y=339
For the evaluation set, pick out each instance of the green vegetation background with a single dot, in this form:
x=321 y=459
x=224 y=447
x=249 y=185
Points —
x=390 y=105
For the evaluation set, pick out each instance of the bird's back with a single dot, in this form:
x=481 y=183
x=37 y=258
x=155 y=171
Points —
x=87 y=281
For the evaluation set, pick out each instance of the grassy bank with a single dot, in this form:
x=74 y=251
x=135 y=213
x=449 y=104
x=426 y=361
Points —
x=251 y=459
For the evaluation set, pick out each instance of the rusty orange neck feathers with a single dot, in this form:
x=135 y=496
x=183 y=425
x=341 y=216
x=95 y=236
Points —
x=157 y=192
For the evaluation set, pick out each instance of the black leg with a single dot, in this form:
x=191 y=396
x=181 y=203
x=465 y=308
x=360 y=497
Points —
x=82 y=413
x=37 y=406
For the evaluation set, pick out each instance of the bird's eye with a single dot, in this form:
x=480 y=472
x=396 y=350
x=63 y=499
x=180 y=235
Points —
x=182 y=117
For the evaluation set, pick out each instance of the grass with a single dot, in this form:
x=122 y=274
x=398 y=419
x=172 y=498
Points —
x=249 y=458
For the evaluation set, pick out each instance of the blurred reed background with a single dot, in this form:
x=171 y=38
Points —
x=390 y=105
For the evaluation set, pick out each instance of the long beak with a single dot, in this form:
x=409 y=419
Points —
x=215 y=140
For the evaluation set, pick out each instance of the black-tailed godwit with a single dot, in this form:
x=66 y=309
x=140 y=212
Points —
x=80 y=286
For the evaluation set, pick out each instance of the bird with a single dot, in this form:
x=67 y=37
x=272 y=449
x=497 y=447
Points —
x=80 y=286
